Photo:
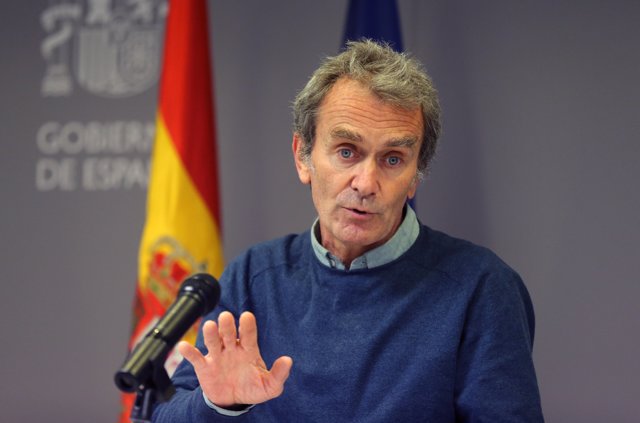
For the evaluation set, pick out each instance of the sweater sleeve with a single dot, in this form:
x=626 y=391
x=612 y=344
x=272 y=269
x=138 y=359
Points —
x=496 y=380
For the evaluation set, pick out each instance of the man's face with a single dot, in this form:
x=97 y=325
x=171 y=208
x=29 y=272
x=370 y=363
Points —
x=362 y=169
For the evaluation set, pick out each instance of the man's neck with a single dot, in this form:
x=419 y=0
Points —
x=404 y=237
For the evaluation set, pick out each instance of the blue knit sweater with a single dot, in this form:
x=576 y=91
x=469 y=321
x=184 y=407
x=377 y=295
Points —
x=442 y=334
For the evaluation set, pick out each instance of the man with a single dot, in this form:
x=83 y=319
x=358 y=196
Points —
x=382 y=319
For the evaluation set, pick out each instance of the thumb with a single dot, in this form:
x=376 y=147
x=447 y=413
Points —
x=190 y=353
x=281 y=368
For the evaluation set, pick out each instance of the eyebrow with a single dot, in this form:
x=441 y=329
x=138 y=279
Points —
x=402 y=142
x=344 y=133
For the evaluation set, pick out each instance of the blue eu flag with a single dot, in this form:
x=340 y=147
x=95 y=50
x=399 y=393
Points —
x=374 y=19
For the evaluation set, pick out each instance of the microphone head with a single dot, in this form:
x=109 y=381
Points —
x=203 y=286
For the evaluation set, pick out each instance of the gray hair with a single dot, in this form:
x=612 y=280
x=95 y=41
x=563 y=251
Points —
x=394 y=77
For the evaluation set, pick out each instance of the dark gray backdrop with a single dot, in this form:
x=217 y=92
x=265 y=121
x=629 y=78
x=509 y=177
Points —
x=539 y=161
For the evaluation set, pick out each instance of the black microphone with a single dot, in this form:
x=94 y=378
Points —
x=198 y=295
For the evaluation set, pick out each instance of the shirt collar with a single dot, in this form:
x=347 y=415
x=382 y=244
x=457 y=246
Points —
x=399 y=243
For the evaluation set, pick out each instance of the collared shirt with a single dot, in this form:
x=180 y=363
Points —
x=399 y=243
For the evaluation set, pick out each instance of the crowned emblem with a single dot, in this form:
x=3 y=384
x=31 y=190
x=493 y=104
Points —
x=170 y=264
x=111 y=48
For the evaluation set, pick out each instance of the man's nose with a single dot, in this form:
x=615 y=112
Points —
x=366 y=178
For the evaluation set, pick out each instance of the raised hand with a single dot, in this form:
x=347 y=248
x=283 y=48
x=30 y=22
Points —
x=233 y=371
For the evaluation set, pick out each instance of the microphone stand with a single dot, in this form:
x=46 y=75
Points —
x=157 y=388
x=144 y=373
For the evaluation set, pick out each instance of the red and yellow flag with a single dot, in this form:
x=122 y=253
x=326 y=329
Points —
x=182 y=230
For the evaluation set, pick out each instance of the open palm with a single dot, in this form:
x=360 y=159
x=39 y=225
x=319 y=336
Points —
x=233 y=371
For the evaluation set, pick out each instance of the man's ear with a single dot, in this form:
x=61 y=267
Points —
x=413 y=188
x=304 y=173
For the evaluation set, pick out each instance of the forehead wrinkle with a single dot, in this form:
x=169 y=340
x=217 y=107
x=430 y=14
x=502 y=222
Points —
x=367 y=114
x=344 y=110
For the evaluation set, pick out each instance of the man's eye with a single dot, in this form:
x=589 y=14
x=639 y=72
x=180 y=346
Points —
x=393 y=160
x=346 y=153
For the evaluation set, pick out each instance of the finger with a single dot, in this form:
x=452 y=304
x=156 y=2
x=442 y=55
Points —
x=248 y=331
x=281 y=369
x=227 y=329
x=190 y=353
x=211 y=337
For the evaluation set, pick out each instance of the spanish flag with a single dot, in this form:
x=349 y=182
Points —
x=182 y=231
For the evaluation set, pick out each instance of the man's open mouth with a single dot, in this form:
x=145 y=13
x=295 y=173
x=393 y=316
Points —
x=357 y=211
